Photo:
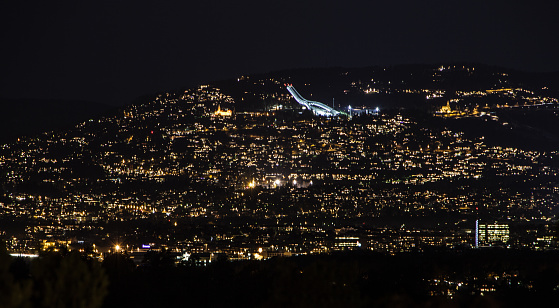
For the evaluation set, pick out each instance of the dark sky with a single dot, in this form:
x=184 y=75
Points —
x=114 y=51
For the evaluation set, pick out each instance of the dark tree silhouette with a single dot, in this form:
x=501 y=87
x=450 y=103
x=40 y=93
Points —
x=68 y=281
x=12 y=293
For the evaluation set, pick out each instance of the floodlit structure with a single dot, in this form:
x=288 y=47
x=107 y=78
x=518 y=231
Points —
x=491 y=233
x=223 y=113
x=316 y=107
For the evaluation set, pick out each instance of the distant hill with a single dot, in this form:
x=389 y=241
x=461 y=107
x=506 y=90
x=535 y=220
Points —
x=423 y=88
x=25 y=117
x=420 y=89
x=389 y=86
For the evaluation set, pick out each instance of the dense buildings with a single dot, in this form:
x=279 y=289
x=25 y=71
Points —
x=492 y=233
x=202 y=172
x=414 y=174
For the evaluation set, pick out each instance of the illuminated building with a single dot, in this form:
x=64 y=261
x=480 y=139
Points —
x=223 y=113
x=346 y=242
x=446 y=111
x=491 y=234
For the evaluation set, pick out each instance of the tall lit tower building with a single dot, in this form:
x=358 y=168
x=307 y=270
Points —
x=489 y=234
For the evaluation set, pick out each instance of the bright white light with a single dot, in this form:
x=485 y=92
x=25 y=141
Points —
x=23 y=255
x=294 y=182
x=277 y=182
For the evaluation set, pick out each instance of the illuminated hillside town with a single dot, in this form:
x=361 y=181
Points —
x=252 y=170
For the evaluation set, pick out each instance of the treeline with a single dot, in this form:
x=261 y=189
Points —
x=492 y=278
x=67 y=279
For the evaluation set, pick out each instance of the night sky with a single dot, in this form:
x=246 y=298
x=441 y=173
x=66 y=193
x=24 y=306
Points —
x=114 y=51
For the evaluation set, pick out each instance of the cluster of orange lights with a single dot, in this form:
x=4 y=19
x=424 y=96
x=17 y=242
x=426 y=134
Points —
x=223 y=113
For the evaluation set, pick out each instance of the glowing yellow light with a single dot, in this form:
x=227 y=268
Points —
x=117 y=248
x=224 y=113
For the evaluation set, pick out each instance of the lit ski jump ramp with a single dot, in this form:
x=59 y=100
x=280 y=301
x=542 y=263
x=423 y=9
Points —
x=316 y=107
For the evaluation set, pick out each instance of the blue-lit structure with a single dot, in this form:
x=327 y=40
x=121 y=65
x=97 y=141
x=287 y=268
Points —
x=477 y=234
x=316 y=107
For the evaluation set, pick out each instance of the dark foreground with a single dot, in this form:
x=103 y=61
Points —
x=471 y=278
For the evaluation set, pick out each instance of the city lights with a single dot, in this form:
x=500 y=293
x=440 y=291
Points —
x=175 y=178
